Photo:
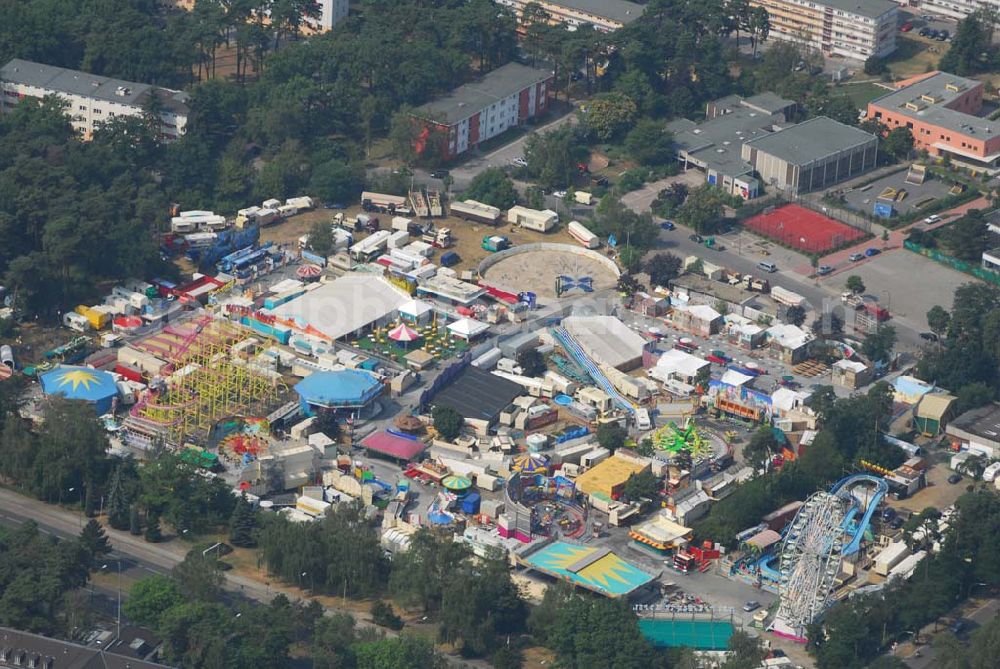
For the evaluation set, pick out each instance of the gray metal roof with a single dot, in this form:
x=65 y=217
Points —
x=84 y=84
x=475 y=96
x=867 y=8
x=617 y=10
x=811 y=140
x=718 y=142
x=932 y=96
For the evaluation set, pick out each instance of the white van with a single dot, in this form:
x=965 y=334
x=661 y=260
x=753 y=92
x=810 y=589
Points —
x=768 y=267
x=642 y=421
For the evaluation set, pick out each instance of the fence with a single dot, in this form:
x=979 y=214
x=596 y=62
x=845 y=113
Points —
x=955 y=263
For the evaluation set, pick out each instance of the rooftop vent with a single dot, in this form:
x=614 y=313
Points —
x=955 y=87
x=932 y=99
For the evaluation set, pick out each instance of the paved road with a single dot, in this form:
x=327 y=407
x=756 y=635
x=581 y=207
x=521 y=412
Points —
x=980 y=616
x=139 y=555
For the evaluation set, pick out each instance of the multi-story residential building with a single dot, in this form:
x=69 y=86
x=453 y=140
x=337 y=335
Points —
x=92 y=99
x=957 y=9
x=604 y=15
x=331 y=13
x=856 y=29
x=941 y=110
x=475 y=112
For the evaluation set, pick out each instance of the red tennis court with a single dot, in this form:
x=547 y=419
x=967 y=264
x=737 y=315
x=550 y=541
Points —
x=803 y=229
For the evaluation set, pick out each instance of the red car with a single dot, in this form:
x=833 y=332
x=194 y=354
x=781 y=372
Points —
x=906 y=27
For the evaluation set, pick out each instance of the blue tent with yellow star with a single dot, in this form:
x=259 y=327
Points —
x=81 y=383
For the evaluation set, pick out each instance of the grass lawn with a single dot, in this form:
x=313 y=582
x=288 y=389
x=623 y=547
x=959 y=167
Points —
x=861 y=93
x=445 y=346
x=913 y=57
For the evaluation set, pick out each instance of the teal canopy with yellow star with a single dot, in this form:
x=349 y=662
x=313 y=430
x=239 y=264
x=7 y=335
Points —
x=81 y=383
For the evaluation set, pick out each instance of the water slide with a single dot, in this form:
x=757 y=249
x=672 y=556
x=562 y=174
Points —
x=847 y=488
x=572 y=347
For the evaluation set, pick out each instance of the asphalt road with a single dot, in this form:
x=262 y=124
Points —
x=980 y=616
x=137 y=554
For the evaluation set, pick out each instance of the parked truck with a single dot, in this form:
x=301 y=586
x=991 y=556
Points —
x=787 y=297
x=471 y=210
x=494 y=243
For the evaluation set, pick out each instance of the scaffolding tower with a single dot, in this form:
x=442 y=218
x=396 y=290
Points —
x=213 y=377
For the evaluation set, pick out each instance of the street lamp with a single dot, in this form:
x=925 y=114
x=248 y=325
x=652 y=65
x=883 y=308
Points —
x=119 y=613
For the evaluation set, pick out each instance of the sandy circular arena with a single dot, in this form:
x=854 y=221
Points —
x=535 y=268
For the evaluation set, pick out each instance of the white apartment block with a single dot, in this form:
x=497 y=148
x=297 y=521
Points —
x=331 y=13
x=92 y=99
x=958 y=9
x=855 y=29
x=605 y=15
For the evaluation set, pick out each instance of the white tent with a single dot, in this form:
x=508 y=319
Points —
x=416 y=310
x=467 y=328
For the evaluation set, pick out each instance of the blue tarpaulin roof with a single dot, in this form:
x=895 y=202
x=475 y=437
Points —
x=347 y=387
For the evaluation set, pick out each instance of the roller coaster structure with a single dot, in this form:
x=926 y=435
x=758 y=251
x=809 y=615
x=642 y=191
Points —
x=824 y=531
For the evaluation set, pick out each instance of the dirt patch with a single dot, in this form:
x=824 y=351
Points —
x=537 y=656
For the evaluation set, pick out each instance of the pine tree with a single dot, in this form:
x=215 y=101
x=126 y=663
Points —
x=118 y=507
x=89 y=508
x=242 y=524
x=153 y=534
x=94 y=541
x=134 y=521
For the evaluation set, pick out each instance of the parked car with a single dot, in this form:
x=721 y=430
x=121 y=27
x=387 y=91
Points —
x=924 y=31
x=932 y=34
x=897 y=522
x=932 y=219
x=942 y=36
x=559 y=194
x=955 y=478
x=906 y=27
x=823 y=270
x=752 y=605
x=929 y=336
x=872 y=251
x=439 y=174
x=334 y=205
x=855 y=257
x=888 y=513
x=957 y=627
x=667 y=225
x=520 y=162
x=696 y=238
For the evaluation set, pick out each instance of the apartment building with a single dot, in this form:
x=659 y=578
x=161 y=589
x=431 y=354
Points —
x=941 y=110
x=92 y=99
x=958 y=9
x=475 y=112
x=331 y=12
x=605 y=15
x=856 y=29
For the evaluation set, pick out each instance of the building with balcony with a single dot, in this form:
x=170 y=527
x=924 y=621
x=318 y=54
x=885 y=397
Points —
x=92 y=99
x=856 y=29
x=480 y=110
x=605 y=15
x=941 y=110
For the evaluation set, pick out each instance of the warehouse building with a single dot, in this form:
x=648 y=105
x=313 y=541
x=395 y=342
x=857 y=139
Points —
x=715 y=145
x=812 y=155
x=857 y=29
x=92 y=99
x=480 y=110
x=604 y=15
x=941 y=110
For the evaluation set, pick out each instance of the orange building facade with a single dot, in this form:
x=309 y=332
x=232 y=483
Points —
x=940 y=110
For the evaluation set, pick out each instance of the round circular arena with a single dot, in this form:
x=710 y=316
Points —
x=550 y=270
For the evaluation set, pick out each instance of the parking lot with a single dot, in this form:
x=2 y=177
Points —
x=906 y=283
x=917 y=196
